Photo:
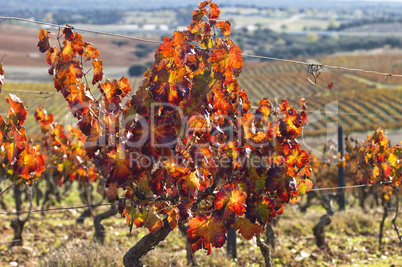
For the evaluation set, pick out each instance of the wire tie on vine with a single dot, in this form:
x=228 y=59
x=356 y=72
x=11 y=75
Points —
x=313 y=70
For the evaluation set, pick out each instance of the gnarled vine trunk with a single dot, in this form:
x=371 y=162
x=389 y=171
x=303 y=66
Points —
x=270 y=235
x=146 y=244
x=396 y=193
x=318 y=229
x=86 y=199
x=99 y=228
x=48 y=198
x=384 y=216
x=265 y=251
x=310 y=196
x=17 y=224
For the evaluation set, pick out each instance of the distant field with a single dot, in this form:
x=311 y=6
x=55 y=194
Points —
x=19 y=44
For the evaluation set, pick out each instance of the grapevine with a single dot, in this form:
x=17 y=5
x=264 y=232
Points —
x=20 y=161
x=186 y=147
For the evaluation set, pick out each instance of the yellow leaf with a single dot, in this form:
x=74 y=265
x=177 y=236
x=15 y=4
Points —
x=392 y=160
x=376 y=171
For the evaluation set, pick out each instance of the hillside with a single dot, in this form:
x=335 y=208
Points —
x=358 y=101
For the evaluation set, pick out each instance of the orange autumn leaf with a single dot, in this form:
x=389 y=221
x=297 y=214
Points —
x=153 y=222
x=224 y=26
x=91 y=52
x=98 y=71
x=28 y=162
x=124 y=86
x=17 y=112
x=205 y=232
x=173 y=217
x=43 y=43
x=111 y=92
x=233 y=199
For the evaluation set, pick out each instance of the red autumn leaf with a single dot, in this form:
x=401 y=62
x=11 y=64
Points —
x=80 y=101
x=117 y=166
x=163 y=132
x=157 y=182
x=235 y=59
x=233 y=199
x=17 y=112
x=68 y=32
x=88 y=125
x=246 y=228
x=279 y=181
x=44 y=43
x=40 y=164
x=185 y=209
x=387 y=169
x=19 y=141
x=197 y=126
x=303 y=116
x=292 y=125
x=224 y=26
x=204 y=232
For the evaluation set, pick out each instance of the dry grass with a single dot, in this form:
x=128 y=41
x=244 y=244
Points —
x=352 y=236
x=84 y=253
